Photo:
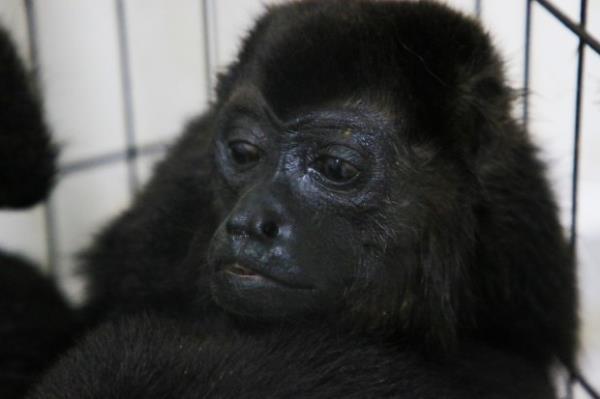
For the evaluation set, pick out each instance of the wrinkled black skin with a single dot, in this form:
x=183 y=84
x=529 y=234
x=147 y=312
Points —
x=160 y=358
x=450 y=233
x=35 y=321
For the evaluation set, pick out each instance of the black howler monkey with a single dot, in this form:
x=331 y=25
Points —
x=359 y=177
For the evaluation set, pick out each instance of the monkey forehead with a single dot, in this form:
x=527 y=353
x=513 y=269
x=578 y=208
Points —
x=361 y=118
x=315 y=52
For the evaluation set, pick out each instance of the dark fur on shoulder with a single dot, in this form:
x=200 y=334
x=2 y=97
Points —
x=157 y=358
x=26 y=152
x=35 y=325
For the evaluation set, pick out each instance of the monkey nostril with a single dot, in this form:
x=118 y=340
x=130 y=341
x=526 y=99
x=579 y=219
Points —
x=269 y=229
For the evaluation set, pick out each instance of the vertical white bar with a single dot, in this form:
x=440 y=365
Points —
x=83 y=203
x=234 y=20
x=588 y=239
x=167 y=65
x=552 y=99
x=211 y=45
x=78 y=55
x=508 y=37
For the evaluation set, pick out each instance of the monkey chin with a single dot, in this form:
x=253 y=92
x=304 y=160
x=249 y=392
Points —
x=244 y=292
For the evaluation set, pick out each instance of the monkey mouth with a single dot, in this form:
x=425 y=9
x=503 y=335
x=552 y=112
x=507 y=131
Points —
x=249 y=275
x=239 y=270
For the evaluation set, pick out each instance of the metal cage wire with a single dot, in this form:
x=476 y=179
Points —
x=586 y=40
x=133 y=150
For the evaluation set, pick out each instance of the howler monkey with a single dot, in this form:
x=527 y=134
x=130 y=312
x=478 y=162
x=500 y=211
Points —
x=361 y=175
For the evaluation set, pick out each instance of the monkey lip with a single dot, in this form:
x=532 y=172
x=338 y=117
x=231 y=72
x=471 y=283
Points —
x=243 y=273
x=240 y=270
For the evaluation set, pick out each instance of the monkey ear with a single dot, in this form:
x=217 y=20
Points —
x=27 y=155
x=483 y=101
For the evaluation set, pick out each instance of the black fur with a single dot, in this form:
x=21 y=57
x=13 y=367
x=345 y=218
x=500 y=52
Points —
x=26 y=152
x=149 y=357
x=35 y=321
x=35 y=325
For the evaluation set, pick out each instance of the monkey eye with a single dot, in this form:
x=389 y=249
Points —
x=244 y=153
x=335 y=169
